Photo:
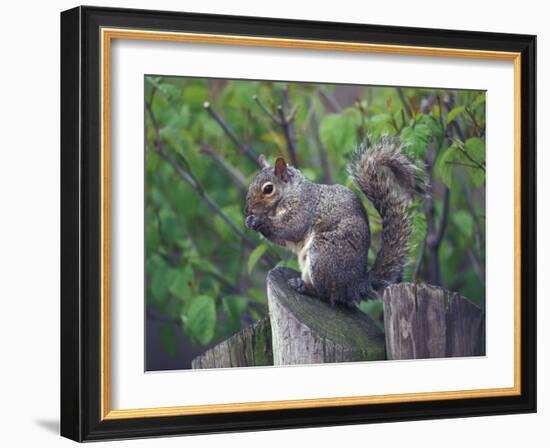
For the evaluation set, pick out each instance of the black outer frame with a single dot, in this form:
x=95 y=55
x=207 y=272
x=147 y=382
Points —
x=80 y=223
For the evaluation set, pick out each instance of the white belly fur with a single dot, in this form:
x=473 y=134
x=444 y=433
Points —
x=301 y=249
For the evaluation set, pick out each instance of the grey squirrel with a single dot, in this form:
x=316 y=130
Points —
x=327 y=225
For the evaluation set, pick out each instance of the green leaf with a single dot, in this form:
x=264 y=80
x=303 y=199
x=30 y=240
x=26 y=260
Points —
x=195 y=96
x=202 y=264
x=379 y=125
x=444 y=168
x=453 y=159
x=339 y=131
x=416 y=139
x=455 y=112
x=480 y=99
x=291 y=263
x=257 y=295
x=200 y=321
x=233 y=306
x=375 y=310
x=168 y=340
x=180 y=287
x=166 y=89
x=206 y=266
x=161 y=278
x=234 y=212
x=255 y=255
x=465 y=222
x=433 y=124
x=475 y=147
x=419 y=228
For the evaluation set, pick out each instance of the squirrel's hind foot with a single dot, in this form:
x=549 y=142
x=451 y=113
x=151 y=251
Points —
x=298 y=285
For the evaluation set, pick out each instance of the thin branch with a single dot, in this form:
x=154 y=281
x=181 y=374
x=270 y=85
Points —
x=405 y=103
x=394 y=123
x=238 y=178
x=471 y=207
x=330 y=101
x=469 y=165
x=229 y=132
x=264 y=108
x=462 y=149
x=195 y=184
x=474 y=121
x=290 y=136
x=478 y=268
x=403 y=119
x=153 y=92
x=443 y=219
x=198 y=188
x=420 y=260
x=323 y=153
x=156 y=316
x=287 y=124
x=441 y=122
x=429 y=210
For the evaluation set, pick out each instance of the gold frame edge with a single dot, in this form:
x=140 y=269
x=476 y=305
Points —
x=107 y=34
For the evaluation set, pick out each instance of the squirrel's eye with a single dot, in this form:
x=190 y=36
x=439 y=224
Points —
x=267 y=188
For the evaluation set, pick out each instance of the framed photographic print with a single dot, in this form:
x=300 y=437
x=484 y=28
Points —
x=273 y=224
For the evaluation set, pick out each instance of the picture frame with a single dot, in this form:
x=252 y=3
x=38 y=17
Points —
x=86 y=209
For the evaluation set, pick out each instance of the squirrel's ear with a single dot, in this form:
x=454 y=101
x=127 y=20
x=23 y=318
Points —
x=263 y=161
x=281 y=169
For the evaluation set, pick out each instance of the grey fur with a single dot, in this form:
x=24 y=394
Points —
x=367 y=169
x=327 y=225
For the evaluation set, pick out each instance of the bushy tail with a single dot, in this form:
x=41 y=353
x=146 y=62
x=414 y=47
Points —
x=369 y=168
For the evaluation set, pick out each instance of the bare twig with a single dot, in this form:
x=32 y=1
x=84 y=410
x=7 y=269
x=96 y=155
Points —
x=463 y=150
x=394 y=123
x=187 y=176
x=229 y=132
x=443 y=218
x=238 y=178
x=478 y=268
x=184 y=175
x=419 y=260
x=286 y=122
x=323 y=153
x=264 y=108
x=477 y=226
x=474 y=121
x=441 y=122
x=290 y=135
x=156 y=316
x=330 y=101
x=469 y=165
x=435 y=232
x=405 y=103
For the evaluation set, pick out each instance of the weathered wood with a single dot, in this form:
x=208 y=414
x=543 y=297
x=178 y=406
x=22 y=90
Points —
x=306 y=330
x=420 y=321
x=423 y=321
x=250 y=347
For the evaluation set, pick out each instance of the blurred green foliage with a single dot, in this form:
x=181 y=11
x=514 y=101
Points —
x=206 y=273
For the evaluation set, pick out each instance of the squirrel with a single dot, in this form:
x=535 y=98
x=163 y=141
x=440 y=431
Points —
x=327 y=226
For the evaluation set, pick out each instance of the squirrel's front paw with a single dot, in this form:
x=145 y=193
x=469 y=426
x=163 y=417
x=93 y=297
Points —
x=298 y=285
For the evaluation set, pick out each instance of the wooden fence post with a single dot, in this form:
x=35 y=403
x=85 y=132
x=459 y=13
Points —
x=249 y=347
x=423 y=321
x=306 y=330
x=420 y=321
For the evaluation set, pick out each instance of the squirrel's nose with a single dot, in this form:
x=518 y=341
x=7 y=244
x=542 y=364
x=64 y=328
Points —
x=251 y=222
